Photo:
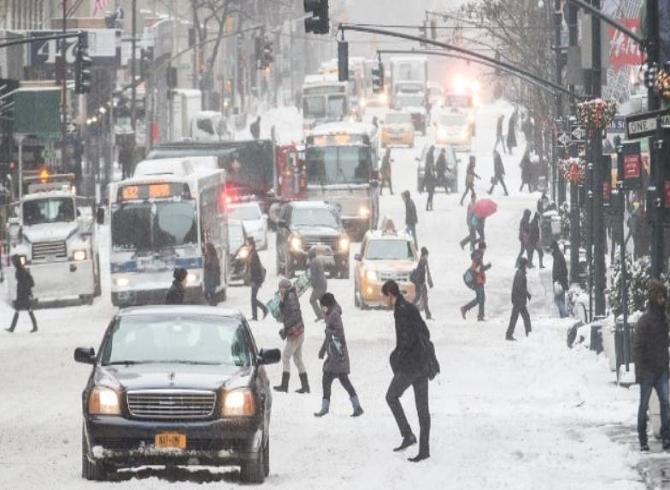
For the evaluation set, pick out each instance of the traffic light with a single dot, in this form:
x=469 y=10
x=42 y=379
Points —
x=378 y=78
x=83 y=63
x=423 y=33
x=343 y=61
x=319 y=22
x=146 y=59
x=650 y=75
x=267 y=56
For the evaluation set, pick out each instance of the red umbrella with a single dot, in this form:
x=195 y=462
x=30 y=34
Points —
x=484 y=208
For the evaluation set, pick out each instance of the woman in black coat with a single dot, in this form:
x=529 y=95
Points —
x=24 y=294
x=334 y=349
x=534 y=242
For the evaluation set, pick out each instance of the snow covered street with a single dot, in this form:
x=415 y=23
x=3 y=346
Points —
x=531 y=414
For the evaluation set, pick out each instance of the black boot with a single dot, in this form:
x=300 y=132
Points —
x=407 y=441
x=424 y=448
x=284 y=383
x=14 y=320
x=32 y=319
x=305 y=384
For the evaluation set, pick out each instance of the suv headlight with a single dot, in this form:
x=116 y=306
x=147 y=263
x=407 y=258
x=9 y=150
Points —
x=344 y=244
x=192 y=277
x=371 y=275
x=238 y=403
x=79 y=255
x=364 y=212
x=103 y=401
x=121 y=282
x=296 y=243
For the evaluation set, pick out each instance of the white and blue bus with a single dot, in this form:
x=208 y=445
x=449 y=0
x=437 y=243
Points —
x=163 y=218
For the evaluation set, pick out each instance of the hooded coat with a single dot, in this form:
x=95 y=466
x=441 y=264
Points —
x=559 y=271
x=175 y=295
x=650 y=348
x=290 y=314
x=520 y=288
x=335 y=344
x=24 y=288
x=408 y=357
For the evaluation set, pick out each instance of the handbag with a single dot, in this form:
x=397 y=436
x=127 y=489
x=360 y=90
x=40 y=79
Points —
x=431 y=366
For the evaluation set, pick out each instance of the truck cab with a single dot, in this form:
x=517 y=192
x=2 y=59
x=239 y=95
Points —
x=53 y=232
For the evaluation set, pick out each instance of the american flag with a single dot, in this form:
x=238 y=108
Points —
x=99 y=6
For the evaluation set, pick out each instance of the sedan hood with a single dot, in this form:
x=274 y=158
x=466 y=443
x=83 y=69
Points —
x=317 y=231
x=172 y=376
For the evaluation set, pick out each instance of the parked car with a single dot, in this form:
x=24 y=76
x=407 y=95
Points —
x=384 y=255
x=239 y=251
x=177 y=385
x=452 y=167
x=255 y=222
x=398 y=129
x=304 y=225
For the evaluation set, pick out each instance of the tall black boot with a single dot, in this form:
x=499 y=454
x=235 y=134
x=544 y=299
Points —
x=14 y=320
x=284 y=383
x=32 y=319
x=305 y=384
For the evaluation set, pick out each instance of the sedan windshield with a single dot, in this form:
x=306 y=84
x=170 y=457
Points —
x=389 y=250
x=154 y=225
x=177 y=339
x=314 y=217
x=41 y=211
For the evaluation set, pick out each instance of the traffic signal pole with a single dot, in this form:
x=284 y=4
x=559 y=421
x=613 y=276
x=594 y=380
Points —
x=63 y=124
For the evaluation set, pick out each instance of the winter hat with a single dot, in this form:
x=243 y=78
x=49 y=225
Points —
x=179 y=274
x=284 y=283
x=327 y=300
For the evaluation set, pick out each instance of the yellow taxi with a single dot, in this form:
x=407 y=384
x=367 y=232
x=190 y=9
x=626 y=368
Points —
x=385 y=254
x=398 y=129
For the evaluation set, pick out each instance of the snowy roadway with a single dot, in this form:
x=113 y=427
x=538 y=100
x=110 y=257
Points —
x=525 y=415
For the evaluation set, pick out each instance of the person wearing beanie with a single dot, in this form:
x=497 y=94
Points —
x=175 y=295
x=520 y=297
x=336 y=364
x=294 y=335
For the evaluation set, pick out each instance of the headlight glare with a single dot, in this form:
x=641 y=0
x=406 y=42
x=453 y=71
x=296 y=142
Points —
x=371 y=275
x=364 y=212
x=103 y=401
x=79 y=255
x=344 y=244
x=121 y=282
x=238 y=403
x=243 y=253
x=192 y=277
x=296 y=243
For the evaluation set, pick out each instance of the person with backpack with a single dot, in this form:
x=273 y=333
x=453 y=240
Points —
x=317 y=278
x=413 y=363
x=257 y=275
x=334 y=349
x=422 y=281
x=520 y=298
x=475 y=278
x=24 y=293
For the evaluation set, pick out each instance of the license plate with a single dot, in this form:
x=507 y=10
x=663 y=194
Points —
x=170 y=440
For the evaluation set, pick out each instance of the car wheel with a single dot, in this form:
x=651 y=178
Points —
x=95 y=471
x=266 y=458
x=357 y=302
x=253 y=471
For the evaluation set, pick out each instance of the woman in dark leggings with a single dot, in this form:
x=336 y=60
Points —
x=335 y=350
x=24 y=287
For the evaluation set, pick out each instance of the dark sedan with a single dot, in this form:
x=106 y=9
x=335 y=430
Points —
x=177 y=385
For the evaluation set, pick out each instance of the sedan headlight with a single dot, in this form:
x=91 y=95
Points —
x=296 y=243
x=121 y=282
x=344 y=244
x=79 y=255
x=371 y=275
x=192 y=277
x=364 y=212
x=103 y=401
x=238 y=403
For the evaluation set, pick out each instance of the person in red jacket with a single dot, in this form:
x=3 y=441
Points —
x=479 y=269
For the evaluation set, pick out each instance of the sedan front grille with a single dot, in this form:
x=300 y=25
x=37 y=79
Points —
x=330 y=241
x=394 y=276
x=171 y=404
x=49 y=250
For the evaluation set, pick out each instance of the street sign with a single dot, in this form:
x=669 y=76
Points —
x=564 y=139
x=578 y=134
x=617 y=125
x=645 y=124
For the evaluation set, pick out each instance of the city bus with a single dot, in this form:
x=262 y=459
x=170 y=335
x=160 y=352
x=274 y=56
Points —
x=342 y=169
x=163 y=218
x=324 y=99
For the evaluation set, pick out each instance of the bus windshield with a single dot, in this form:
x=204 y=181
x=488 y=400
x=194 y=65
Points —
x=154 y=225
x=54 y=210
x=322 y=106
x=338 y=164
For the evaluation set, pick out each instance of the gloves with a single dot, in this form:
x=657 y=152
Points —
x=529 y=296
x=282 y=334
x=321 y=354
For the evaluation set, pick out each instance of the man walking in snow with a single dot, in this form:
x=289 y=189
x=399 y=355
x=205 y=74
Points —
x=500 y=139
x=498 y=173
x=520 y=297
x=411 y=218
x=408 y=363
x=317 y=278
x=650 y=353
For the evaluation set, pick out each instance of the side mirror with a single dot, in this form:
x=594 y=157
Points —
x=85 y=355
x=269 y=356
x=100 y=216
x=358 y=257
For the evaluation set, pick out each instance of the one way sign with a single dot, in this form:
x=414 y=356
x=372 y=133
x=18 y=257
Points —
x=645 y=124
